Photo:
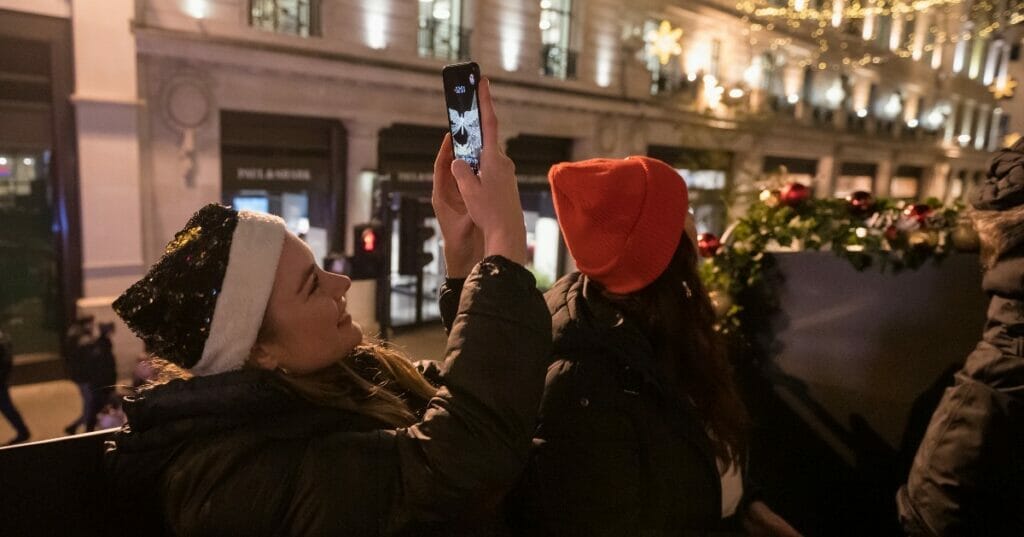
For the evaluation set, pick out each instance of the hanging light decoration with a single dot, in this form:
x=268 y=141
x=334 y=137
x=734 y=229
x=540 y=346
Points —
x=663 y=43
x=1003 y=89
x=988 y=16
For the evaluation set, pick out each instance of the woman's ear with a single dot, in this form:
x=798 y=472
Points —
x=261 y=357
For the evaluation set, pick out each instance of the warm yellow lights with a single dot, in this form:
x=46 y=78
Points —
x=1003 y=89
x=663 y=43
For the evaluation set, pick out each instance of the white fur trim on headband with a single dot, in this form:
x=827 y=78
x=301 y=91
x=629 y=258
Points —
x=252 y=262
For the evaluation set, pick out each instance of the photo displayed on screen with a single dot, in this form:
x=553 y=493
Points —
x=464 y=114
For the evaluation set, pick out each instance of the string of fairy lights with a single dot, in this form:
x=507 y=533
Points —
x=981 y=19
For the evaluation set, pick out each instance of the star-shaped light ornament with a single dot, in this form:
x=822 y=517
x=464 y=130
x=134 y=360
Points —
x=1003 y=90
x=663 y=43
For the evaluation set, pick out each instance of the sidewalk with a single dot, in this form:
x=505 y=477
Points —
x=47 y=407
x=423 y=343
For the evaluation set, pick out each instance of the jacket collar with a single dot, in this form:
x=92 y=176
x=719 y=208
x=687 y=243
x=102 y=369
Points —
x=584 y=321
x=183 y=410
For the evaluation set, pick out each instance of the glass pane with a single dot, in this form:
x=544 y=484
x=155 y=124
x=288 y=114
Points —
x=292 y=17
x=848 y=184
x=904 y=187
x=440 y=30
x=29 y=288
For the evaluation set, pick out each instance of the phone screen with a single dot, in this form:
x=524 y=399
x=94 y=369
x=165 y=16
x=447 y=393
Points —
x=460 y=91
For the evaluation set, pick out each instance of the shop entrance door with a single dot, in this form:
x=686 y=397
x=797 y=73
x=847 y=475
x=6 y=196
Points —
x=416 y=266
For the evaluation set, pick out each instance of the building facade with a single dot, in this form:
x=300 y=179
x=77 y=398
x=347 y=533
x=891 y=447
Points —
x=330 y=112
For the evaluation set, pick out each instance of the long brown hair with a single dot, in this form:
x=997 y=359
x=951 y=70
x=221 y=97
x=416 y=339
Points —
x=374 y=380
x=676 y=314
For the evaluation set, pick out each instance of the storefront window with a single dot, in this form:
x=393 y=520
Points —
x=543 y=237
x=557 y=59
x=906 y=182
x=29 y=297
x=441 y=34
x=855 y=177
x=284 y=165
x=293 y=17
x=705 y=174
x=791 y=170
x=534 y=156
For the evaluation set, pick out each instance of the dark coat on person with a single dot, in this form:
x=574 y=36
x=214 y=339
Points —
x=617 y=452
x=6 y=358
x=239 y=454
x=968 y=475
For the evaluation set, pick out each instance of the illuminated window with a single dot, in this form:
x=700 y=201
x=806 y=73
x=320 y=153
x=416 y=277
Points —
x=906 y=182
x=557 y=59
x=854 y=177
x=441 y=34
x=293 y=17
x=978 y=48
x=932 y=49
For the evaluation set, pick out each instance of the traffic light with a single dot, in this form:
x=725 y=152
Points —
x=367 y=251
x=413 y=233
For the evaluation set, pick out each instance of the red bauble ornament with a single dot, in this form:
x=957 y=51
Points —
x=892 y=233
x=708 y=244
x=861 y=203
x=794 y=194
x=918 y=211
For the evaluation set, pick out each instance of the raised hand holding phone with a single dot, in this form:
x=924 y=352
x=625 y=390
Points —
x=463 y=240
x=492 y=195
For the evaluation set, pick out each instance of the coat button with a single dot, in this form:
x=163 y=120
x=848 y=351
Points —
x=584 y=402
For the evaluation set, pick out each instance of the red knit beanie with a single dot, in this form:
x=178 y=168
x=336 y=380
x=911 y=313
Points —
x=622 y=218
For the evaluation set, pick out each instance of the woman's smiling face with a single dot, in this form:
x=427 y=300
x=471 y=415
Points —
x=306 y=326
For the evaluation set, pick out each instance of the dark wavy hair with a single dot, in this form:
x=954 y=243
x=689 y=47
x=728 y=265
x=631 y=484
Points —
x=676 y=314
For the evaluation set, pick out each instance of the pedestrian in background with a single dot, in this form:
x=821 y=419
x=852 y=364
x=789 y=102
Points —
x=92 y=368
x=642 y=429
x=7 y=408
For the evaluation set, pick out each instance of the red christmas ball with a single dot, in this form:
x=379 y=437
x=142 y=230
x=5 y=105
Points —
x=794 y=194
x=708 y=244
x=861 y=203
x=918 y=211
x=892 y=233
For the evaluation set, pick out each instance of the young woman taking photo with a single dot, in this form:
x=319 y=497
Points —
x=273 y=415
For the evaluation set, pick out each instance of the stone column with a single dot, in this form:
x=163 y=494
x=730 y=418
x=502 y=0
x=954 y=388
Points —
x=361 y=172
x=107 y=118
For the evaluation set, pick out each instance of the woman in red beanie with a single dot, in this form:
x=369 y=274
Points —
x=642 y=431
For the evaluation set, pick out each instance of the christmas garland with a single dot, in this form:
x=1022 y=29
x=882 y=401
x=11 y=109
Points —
x=892 y=235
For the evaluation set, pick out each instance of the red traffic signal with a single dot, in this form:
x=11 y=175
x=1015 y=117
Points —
x=368 y=240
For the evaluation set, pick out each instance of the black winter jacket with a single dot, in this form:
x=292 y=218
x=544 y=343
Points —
x=238 y=454
x=616 y=453
x=968 y=475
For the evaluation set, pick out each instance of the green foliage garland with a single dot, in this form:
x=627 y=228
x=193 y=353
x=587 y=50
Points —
x=886 y=238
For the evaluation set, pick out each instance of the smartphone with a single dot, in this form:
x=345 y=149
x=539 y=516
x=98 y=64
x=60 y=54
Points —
x=461 y=81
